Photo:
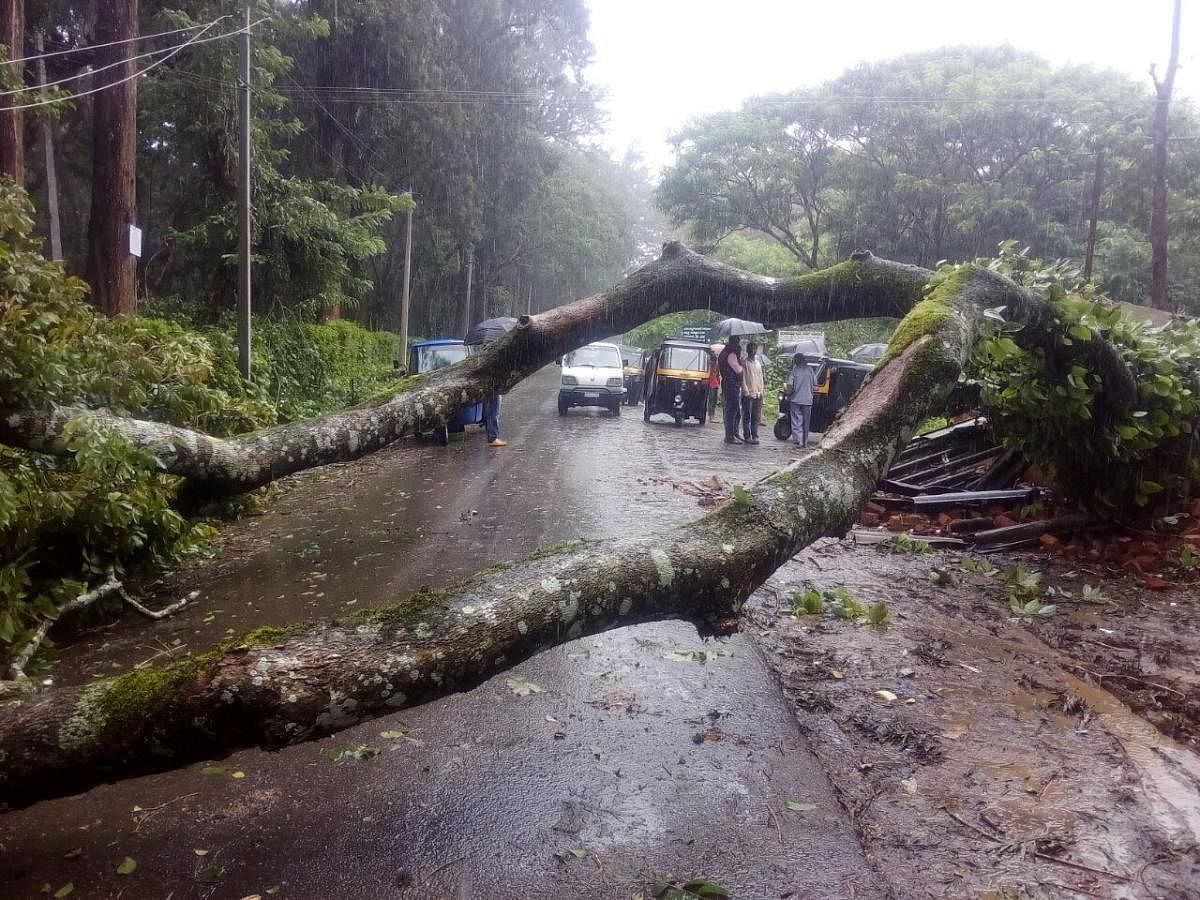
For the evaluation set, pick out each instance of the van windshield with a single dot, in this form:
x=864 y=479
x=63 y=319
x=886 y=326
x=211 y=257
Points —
x=596 y=357
x=438 y=356
x=687 y=359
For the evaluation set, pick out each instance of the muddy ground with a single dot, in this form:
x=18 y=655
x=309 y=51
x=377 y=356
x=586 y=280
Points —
x=981 y=754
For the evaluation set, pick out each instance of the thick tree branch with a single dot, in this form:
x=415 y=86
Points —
x=679 y=280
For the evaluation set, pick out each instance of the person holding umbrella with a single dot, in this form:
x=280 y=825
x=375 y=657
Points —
x=730 y=364
x=483 y=333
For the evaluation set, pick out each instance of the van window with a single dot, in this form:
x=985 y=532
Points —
x=437 y=357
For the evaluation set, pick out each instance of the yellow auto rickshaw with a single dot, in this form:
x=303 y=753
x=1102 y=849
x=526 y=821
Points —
x=676 y=380
x=633 y=360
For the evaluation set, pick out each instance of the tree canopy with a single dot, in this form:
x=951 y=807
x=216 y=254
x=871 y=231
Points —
x=942 y=155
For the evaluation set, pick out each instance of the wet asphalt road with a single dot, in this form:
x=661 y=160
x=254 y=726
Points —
x=648 y=752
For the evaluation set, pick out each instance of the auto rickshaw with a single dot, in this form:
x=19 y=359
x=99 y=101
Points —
x=676 y=380
x=836 y=382
x=633 y=359
x=429 y=356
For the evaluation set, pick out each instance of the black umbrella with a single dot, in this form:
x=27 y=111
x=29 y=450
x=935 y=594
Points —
x=731 y=327
x=489 y=330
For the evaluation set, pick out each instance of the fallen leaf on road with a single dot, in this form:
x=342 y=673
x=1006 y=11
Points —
x=885 y=696
x=127 y=867
x=210 y=874
x=797 y=806
x=909 y=785
x=64 y=891
x=522 y=686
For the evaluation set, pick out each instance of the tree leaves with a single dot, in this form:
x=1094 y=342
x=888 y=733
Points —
x=127 y=866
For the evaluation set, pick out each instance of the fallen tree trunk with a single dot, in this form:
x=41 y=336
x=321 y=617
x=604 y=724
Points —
x=275 y=687
x=679 y=280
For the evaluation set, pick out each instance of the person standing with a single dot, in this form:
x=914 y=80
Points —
x=714 y=381
x=491 y=421
x=752 y=393
x=730 y=365
x=799 y=390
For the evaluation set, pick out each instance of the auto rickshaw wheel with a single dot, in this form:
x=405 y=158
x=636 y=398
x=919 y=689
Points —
x=442 y=433
x=646 y=412
x=678 y=420
x=783 y=428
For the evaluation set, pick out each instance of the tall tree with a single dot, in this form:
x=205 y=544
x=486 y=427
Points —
x=111 y=269
x=1158 y=212
x=12 y=120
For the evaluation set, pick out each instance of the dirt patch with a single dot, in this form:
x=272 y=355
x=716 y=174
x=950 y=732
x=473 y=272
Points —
x=982 y=752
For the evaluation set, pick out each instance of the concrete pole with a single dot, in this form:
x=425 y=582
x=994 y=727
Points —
x=243 y=299
x=404 y=296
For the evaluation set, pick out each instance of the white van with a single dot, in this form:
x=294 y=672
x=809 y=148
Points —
x=592 y=376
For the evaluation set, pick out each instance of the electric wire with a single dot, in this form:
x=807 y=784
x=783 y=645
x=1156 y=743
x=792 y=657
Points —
x=90 y=47
x=26 y=89
x=127 y=78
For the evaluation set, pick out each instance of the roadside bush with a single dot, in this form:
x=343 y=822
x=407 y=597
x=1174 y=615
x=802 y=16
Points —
x=66 y=522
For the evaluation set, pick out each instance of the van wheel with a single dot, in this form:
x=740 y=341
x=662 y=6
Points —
x=616 y=409
x=562 y=407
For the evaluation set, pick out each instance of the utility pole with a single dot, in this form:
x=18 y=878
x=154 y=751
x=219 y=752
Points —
x=466 y=303
x=1097 y=190
x=48 y=149
x=404 y=297
x=1158 y=203
x=243 y=298
x=12 y=121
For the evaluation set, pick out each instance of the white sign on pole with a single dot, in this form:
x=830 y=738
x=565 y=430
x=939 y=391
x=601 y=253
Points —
x=135 y=241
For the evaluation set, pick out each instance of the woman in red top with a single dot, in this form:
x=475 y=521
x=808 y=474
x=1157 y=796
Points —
x=714 y=380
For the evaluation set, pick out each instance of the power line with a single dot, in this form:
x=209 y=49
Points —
x=90 y=47
x=136 y=74
x=88 y=72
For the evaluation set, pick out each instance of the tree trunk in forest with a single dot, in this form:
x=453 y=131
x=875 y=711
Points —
x=1094 y=216
x=47 y=130
x=12 y=121
x=111 y=268
x=863 y=286
x=1158 y=209
x=279 y=686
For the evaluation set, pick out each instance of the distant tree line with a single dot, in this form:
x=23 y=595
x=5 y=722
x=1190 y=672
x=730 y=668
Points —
x=943 y=155
x=480 y=110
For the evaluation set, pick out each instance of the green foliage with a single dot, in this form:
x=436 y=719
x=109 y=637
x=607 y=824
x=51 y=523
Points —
x=650 y=334
x=670 y=888
x=903 y=543
x=807 y=602
x=1050 y=410
x=66 y=522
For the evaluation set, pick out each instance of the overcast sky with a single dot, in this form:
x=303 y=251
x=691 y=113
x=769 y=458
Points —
x=665 y=61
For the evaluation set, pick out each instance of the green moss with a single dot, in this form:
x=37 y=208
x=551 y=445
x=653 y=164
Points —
x=558 y=549
x=827 y=279
x=390 y=390
x=930 y=315
x=269 y=635
x=408 y=612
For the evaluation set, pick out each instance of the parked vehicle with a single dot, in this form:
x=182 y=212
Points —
x=438 y=353
x=836 y=382
x=633 y=361
x=676 y=380
x=592 y=376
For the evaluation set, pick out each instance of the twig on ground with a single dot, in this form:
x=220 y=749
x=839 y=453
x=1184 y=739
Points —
x=1038 y=853
x=16 y=670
